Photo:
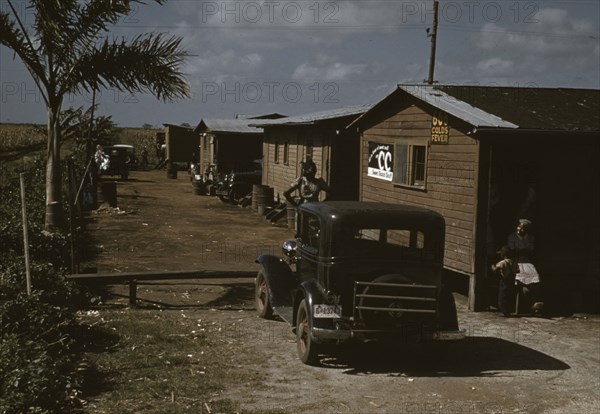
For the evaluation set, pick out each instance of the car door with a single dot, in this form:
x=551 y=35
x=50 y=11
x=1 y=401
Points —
x=310 y=240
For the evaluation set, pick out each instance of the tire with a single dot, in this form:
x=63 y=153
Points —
x=236 y=195
x=379 y=316
x=223 y=198
x=308 y=350
x=261 y=296
x=233 y=197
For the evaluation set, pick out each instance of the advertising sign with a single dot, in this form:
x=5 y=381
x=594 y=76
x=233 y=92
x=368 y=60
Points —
x=439 y=129
x=381 y=161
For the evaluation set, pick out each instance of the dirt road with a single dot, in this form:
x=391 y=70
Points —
x=507 y=365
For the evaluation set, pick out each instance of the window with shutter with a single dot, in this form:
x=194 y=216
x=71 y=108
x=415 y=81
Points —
x=410 y=165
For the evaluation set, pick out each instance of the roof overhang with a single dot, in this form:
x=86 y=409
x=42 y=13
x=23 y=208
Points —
x=444 y=102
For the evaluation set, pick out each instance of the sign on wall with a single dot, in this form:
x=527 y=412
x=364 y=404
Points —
x=381 y=161
x=439 y=128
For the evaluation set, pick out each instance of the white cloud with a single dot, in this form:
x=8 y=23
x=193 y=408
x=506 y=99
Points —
x=556 y=48
x=329 y=68
x=495 y=66
x=555 y=32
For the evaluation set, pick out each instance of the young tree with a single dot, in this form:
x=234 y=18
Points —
x=67 y=51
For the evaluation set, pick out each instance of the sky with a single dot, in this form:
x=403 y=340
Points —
x=295 y=57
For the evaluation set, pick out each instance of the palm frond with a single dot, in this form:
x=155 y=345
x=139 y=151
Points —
x=95 y=17
x=16 y=40
x=52 y=19
x=149 y=62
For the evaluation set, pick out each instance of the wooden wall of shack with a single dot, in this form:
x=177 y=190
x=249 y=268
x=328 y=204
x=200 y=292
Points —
x=560 y=170
x=182 y=143
x=229 y=152
x=279 y=172
x=451 y=177
x=334 y=151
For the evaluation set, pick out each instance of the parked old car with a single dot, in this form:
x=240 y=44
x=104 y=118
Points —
x=362 y=271
x=233 y=187
x=122 y=159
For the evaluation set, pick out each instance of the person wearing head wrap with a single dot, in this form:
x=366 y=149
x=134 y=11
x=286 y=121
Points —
x=308 y=186
x=522 y=243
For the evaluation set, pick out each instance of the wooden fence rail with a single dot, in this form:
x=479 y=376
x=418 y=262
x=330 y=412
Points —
x=133 y=277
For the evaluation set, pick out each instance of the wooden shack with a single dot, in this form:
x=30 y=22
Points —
x=320 y=136
x=181 y=143
x=485 y=157
x=230 y=144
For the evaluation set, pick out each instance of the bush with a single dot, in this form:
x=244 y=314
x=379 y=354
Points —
x=37 y=355
x=38 y=351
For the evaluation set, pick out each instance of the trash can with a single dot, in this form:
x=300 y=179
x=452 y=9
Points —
x=109 y=192
x=171 y=170
x=263 y=195
x=291 y=215
x=199 y=187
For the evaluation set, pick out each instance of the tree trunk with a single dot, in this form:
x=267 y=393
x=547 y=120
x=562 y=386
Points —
x=54 y=212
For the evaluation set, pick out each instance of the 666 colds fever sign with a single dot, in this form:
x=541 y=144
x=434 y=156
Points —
x=381 y=161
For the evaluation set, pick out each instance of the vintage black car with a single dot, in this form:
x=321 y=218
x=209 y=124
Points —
x=233 y=187
x=363 y=271
x=122 y=159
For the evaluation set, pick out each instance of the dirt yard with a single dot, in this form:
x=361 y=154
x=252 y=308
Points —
x=506 y=365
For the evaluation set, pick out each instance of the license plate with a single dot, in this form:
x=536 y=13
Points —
x=327 y=311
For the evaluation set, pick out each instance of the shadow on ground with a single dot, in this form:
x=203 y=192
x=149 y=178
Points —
x=473 y=357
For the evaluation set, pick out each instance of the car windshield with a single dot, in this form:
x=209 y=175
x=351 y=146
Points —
x=396 y=243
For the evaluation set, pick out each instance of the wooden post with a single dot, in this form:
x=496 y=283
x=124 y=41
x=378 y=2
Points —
x=71 y=174
x=433 y=36
x=133 y=292
x=25 y=234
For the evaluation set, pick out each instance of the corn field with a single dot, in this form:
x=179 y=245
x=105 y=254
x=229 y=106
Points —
x=17 y=136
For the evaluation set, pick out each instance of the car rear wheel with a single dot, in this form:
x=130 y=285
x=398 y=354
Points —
x=261 y=295
x=308 y=350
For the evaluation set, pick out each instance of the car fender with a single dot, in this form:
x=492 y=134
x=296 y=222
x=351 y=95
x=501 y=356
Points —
x=280 y=279
x=313 y=294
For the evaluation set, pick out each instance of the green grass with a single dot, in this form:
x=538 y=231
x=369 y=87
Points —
x=159 y=362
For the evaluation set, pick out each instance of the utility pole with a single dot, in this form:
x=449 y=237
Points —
x=433 y=34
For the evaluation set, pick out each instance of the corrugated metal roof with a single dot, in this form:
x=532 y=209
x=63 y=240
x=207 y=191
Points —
x=539 y=109
x=510 y=108
x=233 y=126
x=316 y=117
x=454 y=106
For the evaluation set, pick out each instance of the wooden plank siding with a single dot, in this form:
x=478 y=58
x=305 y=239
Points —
x=451 y=178
x=280 y=175
x=207 y=152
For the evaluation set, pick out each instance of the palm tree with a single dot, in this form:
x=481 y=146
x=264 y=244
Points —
x=67 y=51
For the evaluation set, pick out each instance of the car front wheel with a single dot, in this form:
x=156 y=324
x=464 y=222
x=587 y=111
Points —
x=308 y=350
x=261 y=295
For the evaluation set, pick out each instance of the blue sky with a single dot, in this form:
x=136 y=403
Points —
x=293 y=57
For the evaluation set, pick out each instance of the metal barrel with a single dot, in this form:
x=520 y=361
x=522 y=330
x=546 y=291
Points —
x=199 y=187
x=291 y=215
x=171 y=171
x=263 y=196
x=108 y=189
